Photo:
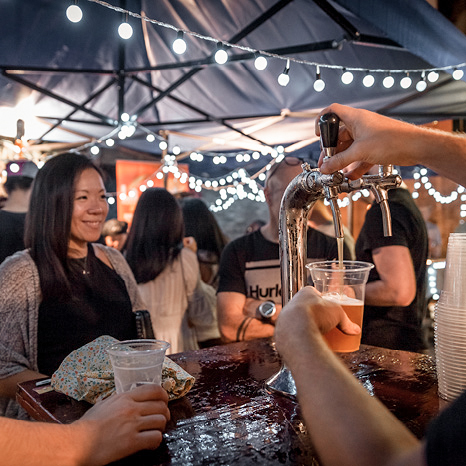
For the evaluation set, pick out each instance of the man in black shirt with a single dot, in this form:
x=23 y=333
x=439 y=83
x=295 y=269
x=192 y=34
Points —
x=250 y=284
x=395 y=301
x=18 y=185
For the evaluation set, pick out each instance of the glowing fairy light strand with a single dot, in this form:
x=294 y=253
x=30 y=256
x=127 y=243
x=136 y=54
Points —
x=269 y=54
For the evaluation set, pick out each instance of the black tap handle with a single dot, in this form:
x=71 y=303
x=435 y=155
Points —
x=329 y=124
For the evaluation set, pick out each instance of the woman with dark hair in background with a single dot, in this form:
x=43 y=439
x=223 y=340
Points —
x=62 y=291
x=201 y=224
x=166 y=272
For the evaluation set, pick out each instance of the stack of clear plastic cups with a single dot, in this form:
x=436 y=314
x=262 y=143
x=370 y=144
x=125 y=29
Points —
x=450 y=322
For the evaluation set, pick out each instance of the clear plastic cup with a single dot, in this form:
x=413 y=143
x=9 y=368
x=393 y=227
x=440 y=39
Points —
x=345 y=286
x=137 y=362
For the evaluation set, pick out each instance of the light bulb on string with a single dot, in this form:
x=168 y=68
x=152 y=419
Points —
x=347 y=77
x=433 y=76
x=260 y=63
x=421 y=85
x=388 y=81
x=319 y=84
x=406 y=82
x=163 y=145
x=457 y=74
x=110 y=142
x=95 y=150
x=150 y=138
x=284 y=78
x=74 y=13
x=179 y=44
x=221 y=56
x=125 y=30
x=368 y=80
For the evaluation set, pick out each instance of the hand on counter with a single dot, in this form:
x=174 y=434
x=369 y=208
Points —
x=112 y=429
x=124 y=424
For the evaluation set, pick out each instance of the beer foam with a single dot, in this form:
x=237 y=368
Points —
x=343 y=300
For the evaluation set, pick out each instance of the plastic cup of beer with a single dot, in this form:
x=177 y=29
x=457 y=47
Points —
x=137 y=362
x=343 y=283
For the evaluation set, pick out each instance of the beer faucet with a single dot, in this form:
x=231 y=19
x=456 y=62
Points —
x=299 y=197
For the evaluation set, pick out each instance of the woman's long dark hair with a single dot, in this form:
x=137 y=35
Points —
x=48 y=221
x=200 y=223
x=156 y=235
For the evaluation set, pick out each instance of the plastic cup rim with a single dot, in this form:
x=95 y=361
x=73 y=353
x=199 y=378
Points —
x=360 y=266
x=115 y=347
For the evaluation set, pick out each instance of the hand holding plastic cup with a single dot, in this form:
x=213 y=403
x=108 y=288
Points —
x=137 y=362
x=346 y=286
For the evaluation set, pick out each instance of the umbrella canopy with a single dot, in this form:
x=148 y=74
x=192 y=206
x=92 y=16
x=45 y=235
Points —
x=79 y=79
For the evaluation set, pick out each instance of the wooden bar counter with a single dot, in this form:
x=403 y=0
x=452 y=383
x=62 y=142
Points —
x=229 y=418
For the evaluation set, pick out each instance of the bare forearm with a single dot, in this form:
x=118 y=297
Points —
x=379 y=294
x=348 y=426
x=248 y=328
x=26 y=443
x=443 y=152
x=8 y=385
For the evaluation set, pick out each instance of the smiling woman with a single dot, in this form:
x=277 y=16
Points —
x=63 y=291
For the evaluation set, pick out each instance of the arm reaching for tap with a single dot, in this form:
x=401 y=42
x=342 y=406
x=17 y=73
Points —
x=366 y=139
x=348 y=427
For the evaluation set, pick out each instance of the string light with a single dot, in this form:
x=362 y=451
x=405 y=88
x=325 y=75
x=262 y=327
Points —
x=125 y=30
x=284 y=78
x=221 y=56
x=319 y=84
x=368 y=80
x=406 y=82
x=388 y=81
x=422 y=179
x=457 y=74
x=95 y=150
x=347 y=77
x=421 y=84
x=179 y=44
x=74 y=13
x=433 y=76
x=260 y=63
x=163 y=145
x=255 y=52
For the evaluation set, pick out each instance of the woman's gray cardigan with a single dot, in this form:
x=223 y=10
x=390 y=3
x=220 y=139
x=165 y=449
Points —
x=20 y=297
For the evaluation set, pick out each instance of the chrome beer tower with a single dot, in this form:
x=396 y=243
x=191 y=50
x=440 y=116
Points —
x=298 y=199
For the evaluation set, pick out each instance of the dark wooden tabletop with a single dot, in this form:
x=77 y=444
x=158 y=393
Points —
x=229 y=418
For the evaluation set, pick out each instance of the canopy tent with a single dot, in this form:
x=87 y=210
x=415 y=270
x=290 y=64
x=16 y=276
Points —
x=80 y=78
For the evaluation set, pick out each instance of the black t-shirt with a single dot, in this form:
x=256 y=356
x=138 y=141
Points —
x=11 y=233
x=100 y=306
x=396 y=327
x=250 y=265
x=445 y=439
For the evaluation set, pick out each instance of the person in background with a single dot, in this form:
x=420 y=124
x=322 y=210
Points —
x=349 y=427
x=395 y=302
x=321 y=219
x=112 y=429
x=62 y=291
x=249 y=293
x=167 y=273
x=115 y=233
x=18 y=185
x=201 y=224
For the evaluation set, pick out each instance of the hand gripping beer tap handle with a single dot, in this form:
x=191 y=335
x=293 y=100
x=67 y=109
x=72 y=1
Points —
x=329 y=125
